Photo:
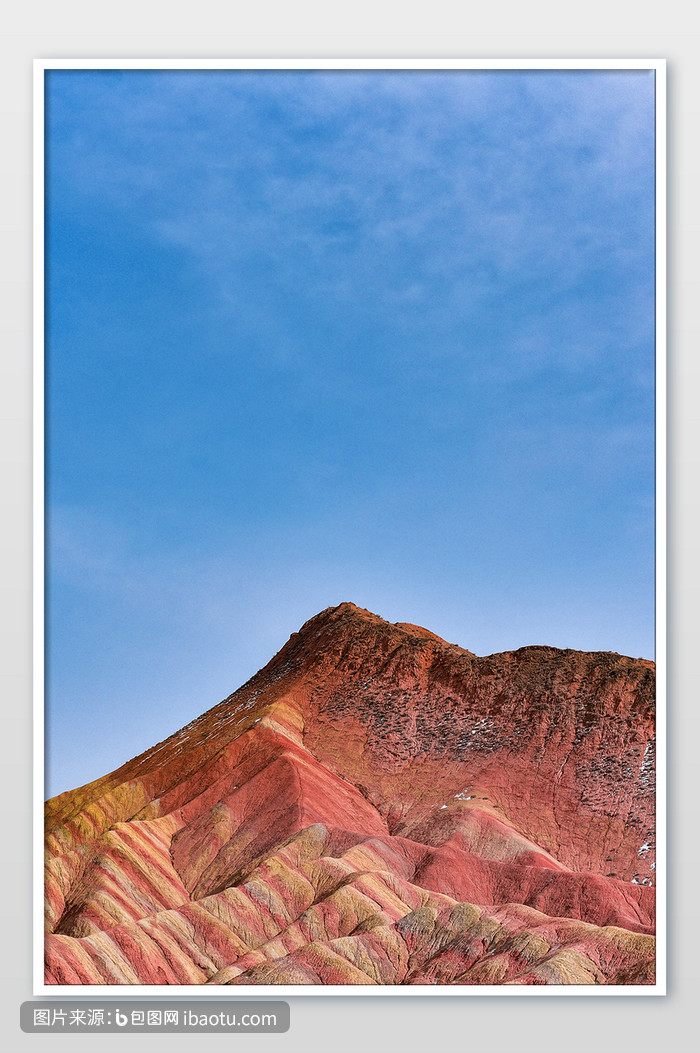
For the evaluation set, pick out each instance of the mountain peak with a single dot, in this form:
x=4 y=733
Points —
x=368 y=770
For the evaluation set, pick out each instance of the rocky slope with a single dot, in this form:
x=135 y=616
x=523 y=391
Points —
x=375 y=806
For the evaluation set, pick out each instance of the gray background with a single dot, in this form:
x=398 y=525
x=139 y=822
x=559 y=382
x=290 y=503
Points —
x=213 y=28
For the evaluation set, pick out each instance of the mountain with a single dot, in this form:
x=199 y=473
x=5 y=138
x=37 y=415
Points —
x=375 y=806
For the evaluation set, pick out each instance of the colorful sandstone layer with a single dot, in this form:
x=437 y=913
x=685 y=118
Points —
x=375 y=806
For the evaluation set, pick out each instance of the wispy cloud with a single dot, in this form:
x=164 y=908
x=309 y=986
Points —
x=440 y=194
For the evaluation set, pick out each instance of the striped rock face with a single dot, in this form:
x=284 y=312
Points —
x=375 y=806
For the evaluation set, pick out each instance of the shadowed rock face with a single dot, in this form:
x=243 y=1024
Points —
x=375 y=806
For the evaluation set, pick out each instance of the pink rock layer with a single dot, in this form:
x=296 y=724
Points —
x=375 y=806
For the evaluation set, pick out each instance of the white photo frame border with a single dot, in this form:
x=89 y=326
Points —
x=41 y=67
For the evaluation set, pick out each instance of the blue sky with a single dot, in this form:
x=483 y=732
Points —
x=326 y=336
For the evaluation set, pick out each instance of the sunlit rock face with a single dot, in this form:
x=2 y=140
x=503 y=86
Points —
x=375 y=806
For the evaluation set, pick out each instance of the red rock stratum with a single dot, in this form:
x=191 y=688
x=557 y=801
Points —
x=375 y=806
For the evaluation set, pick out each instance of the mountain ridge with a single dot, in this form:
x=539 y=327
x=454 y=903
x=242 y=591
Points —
x=521 y=778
